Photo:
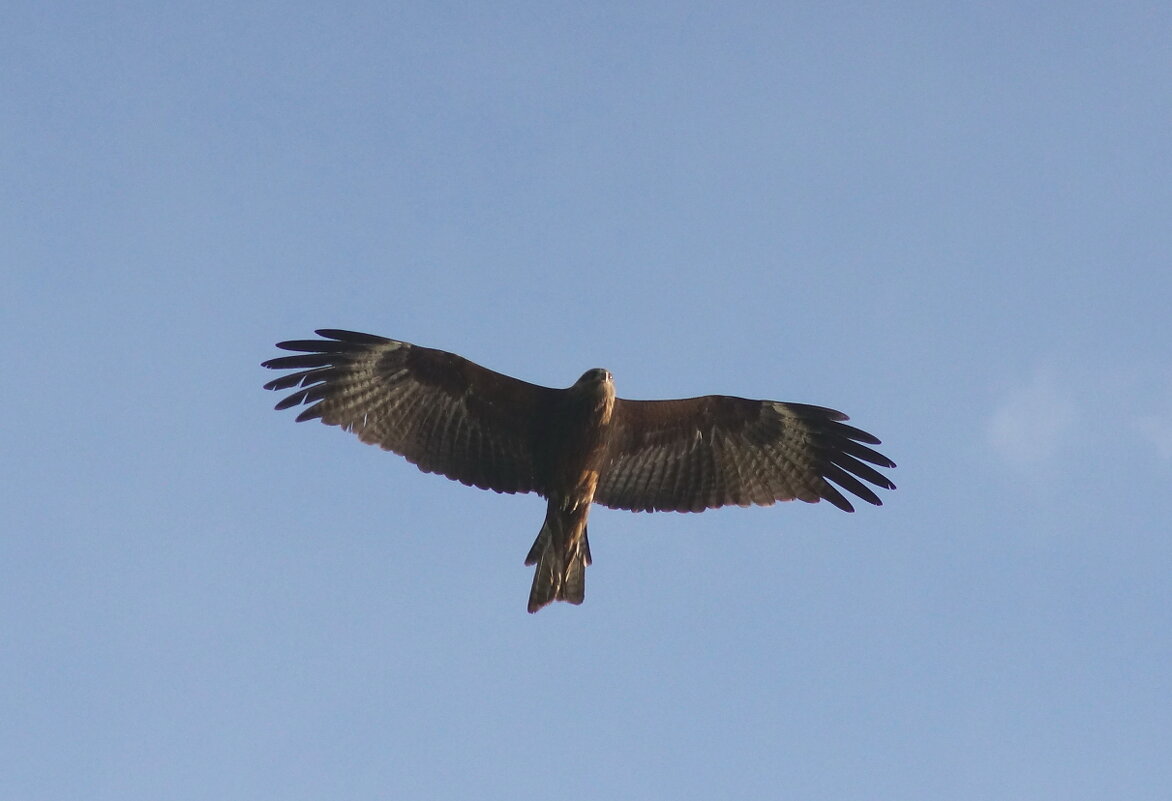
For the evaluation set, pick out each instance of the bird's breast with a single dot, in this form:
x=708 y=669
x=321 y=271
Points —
x=577 y=448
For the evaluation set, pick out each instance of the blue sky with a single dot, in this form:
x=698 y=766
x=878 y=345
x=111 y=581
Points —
x=950 y=221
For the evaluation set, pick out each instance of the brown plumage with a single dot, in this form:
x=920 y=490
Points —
x=575 y=446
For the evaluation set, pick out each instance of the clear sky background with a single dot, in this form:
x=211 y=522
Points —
x=951 y=221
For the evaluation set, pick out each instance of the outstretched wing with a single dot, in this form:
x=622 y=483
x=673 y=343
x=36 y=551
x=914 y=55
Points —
x=702 y=453
x=441 y=411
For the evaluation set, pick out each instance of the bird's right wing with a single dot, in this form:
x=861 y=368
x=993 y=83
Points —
x=442 y=412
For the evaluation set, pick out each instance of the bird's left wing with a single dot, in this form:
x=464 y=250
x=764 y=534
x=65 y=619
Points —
x=444 y=413
x=701 y=453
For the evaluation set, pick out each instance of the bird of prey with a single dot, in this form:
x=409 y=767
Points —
x=575 y=446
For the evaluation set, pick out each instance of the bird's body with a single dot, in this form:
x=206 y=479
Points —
x=575 y=446
x=562 y=549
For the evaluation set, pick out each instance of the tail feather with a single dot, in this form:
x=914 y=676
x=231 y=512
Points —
x=547 y=577
x=574 y=581
x=561 y=565
x=539 y=546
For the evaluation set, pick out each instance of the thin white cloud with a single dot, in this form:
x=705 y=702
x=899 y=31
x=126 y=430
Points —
x=1153 y=394
x=1157 y=430
x=1032 y=421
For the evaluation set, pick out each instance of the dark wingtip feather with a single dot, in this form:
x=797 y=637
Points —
x=319 y=361
x=289 y=401
x=846 y=456
x=858 y=434
x=312 y=413
x=836 y=498
x=355 y=337
x=821 y=412
x=302 y=345
x=851 y=484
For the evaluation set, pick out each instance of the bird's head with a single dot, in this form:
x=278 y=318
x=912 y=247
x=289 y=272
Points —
x=596 y=376
x=597 y=388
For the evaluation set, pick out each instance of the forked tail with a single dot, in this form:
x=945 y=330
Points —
x=561 y=554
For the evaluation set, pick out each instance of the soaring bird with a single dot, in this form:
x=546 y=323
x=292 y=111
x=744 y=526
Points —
x=575 y=446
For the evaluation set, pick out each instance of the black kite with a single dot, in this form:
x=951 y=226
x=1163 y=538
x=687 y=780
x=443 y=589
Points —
x=575 y=446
